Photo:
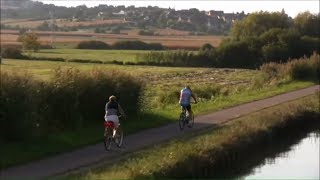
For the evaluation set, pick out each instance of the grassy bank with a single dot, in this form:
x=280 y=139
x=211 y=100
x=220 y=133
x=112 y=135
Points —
x=190 y=156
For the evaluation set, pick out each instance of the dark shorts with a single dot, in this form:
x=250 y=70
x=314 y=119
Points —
x=188 y=107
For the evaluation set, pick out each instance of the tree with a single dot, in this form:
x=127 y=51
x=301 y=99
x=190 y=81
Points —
x=257 y=23
x=206 y=47
x=236 y=54
x=47 y=26
x=29 y=41
x=308 y=24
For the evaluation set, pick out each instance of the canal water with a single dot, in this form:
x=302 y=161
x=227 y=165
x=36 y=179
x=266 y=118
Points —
x=301 y=161
x=290 y=153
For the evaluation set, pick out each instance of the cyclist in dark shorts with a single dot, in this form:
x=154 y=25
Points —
x=185 y=96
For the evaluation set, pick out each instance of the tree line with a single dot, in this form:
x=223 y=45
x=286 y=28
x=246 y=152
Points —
x=257 y=39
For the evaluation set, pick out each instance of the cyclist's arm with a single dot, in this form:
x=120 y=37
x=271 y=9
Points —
x=194 y=97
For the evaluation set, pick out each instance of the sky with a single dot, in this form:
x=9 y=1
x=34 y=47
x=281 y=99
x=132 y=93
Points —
x=292 y=8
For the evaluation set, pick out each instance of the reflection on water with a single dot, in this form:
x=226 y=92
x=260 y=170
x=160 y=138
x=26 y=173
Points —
x=301 y=162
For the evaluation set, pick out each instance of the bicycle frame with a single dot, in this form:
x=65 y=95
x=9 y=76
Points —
x=110 y=133
x=184 y=118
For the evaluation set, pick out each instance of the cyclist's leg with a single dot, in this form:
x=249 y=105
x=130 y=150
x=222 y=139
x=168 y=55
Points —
x=105 y=132
x=115 y=120
x=116 y=125
x=182 y=108
x=188 y=107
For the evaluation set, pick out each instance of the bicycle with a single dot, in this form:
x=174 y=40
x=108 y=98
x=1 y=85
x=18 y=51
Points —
x=112 y=135
x=184 y=120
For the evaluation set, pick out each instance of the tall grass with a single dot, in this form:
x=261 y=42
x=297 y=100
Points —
x=71 y=100
x=173 y=58
x=304 y=68
x=307 y=68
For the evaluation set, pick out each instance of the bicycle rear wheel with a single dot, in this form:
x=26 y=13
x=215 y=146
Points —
x=108 y=139
x=182 y=122
x=119 y=137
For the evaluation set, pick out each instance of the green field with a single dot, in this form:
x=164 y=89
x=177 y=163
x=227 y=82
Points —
x=93 y=55
x=152 y=74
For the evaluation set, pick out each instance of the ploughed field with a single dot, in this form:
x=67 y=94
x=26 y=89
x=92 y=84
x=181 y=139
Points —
x=169 y=38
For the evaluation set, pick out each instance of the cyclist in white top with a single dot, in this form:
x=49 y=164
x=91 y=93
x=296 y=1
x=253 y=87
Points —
x=185 y=96
x=112 y=109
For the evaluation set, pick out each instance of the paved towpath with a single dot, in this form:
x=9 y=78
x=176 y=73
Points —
x=95 y=154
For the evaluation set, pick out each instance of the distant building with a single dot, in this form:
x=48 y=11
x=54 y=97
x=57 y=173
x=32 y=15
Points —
x=147 y=18
x=215 y=13
x=121 y=13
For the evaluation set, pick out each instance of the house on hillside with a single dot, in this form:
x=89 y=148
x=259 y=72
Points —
x=147 y=18
x=213 y=13
x=100 y=15
x=229 y=17
x=120 y=13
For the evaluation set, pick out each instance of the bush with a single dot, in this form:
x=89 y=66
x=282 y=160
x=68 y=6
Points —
x=207 y=51
x=137 y=45
x=18 y=100
x=304 y=68
x=297 y=69
x=146 y=33
x=12 y=52
x=168 y=58
x=85 y=61
x=71 y=100
x=155 y=46
x=236 y=54
x=270 y=73
x=207 y=91
x=275 y=53
x=46 y=46
x=206 y=47
x=92 y=45
x=309 y=45
x=115 y=30
x=175 y=58
x=30 y=41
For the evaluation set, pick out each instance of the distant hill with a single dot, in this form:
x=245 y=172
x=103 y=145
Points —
x=15 y=4
x=192 y=20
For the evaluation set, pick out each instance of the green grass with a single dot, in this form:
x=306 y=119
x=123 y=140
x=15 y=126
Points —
x=100 y=55
x=183 y=156
x=50 y=145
